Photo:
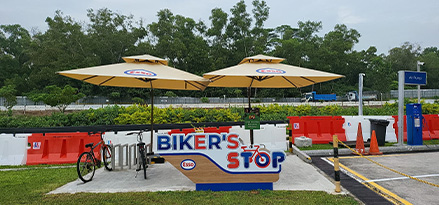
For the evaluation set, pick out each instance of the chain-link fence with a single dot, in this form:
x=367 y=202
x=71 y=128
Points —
x=99 y=100
x=425 y=93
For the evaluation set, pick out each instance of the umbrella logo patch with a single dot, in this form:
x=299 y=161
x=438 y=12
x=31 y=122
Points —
x=140 y=72
x=270 y=71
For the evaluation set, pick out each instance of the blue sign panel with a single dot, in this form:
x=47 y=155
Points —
x=415 y=78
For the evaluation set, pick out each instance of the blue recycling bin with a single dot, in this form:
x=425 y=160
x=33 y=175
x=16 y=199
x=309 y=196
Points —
x=414 y=124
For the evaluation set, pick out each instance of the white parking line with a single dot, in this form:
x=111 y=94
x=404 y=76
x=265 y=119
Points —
x=399 y=178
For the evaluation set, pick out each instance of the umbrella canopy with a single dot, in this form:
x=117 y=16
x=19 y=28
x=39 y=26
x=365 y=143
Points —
x=143 y=71
x=262 y=71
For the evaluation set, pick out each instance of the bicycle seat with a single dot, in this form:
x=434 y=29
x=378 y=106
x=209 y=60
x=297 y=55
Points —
x=89 y=145
x=141 y=144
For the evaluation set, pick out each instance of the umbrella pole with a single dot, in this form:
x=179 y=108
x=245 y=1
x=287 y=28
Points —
x=152 y=118
x=249 y=89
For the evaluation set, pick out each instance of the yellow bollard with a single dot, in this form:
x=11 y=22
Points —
x=336 y=164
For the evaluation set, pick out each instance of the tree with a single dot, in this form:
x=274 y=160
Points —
x=138 y=100
x=180 y=40
x=238 y=33
x=379 y=76
x=170 y=94
x=113 y=35
x=217 y=39
x=63 y=46
x=14 y=65
x=115 y=96
x=57 y=97
x=404 y=57
x=430 y=56
x=237 y=92
x=260 y=34
x=299 y=46
x=9 y=93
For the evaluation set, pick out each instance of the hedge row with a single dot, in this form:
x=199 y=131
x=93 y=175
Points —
x=139 y=114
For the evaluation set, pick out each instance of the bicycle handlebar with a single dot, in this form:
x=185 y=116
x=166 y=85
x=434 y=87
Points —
x=130 y=133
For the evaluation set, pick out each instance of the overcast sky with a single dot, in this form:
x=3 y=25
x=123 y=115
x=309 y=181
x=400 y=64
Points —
x=384 y=24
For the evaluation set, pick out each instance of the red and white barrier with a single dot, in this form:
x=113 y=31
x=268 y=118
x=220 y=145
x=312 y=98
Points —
x=59 y=148
x=430 y=127
x=65 y=147
x=13 y=149
x=319 y=128
x=351 y=126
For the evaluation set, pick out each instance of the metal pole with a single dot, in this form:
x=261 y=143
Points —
x=152 y=118
x=418 y=68
x=249 y=89
x=360 y=94
x=336 y=164
x=400 y=107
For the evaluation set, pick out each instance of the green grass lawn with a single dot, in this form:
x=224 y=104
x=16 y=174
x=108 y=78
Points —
x=30 y=186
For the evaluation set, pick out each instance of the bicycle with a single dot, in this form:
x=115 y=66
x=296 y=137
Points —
x=260 y=158
x=87 y=161
x=142 y=152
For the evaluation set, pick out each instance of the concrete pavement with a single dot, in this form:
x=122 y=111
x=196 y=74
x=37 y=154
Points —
x=295 y=175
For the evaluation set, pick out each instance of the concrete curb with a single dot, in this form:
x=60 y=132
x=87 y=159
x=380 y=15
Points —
x=302 y=155
x=384 y=150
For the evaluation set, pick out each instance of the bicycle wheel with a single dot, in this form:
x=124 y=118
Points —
x=262 y=160
x=106 y=157
x=142 y=152
x=85 y=167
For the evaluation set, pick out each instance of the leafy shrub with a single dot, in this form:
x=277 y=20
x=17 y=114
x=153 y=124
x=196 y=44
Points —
x=141 y=114
x=138 y=100
x=204 y=100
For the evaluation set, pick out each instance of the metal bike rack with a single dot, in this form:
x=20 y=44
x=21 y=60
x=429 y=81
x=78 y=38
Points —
x=113 y=158
x=121 y=157
x=132 y=155
x=125 y=155
x=113 y=155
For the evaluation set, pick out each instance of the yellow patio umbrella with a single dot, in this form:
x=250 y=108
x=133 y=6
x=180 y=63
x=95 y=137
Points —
x=263 y=71
x=143 y=71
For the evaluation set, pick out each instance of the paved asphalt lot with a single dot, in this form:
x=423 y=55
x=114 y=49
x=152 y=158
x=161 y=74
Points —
x=394 y=186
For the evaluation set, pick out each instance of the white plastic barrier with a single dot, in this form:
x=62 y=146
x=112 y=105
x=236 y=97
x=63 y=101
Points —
x=122 y=137
x=13 y=149
x=351 y=127
x=273 y=137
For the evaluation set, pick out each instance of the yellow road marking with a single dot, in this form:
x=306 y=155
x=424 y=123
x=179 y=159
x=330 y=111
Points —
x=370 y=156
x=375 y=187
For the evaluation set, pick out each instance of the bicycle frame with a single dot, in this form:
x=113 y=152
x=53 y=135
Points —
x=101 y=142
x=254 y=150
x=87 y=161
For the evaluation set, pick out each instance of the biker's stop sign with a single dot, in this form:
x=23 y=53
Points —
x=211 y=158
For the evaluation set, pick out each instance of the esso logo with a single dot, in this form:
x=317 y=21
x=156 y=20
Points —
x=187 y=164
x=140 y=72
x=270 y=71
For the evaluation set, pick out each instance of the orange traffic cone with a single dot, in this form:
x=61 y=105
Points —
x=374 y=150
x=360 y=143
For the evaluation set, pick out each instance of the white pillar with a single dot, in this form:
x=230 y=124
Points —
x=418 y=68
x=360 y=94
x=400 y=107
